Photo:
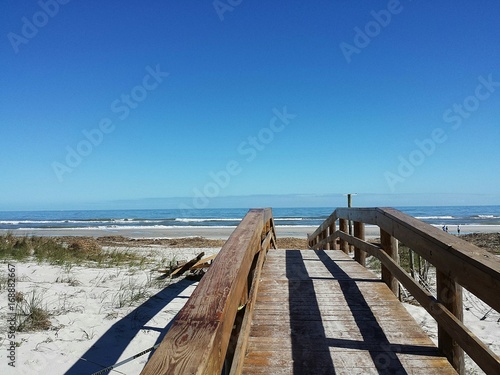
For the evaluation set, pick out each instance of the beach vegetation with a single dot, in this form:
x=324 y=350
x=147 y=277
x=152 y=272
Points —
x=31 y=312
x=131 y=291
x=405 y=260
x=67 y=251
x=88 y=335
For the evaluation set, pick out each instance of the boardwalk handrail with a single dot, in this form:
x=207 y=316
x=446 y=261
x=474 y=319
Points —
x=458 y=263
x=202 y=337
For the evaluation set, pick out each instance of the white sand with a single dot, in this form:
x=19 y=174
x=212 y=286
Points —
x=214 y=232
x=89 y=328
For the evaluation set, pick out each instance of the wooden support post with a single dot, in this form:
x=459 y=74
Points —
x=412 y=263
x=449 y=293
x=390 y=246
x=359 y=232
x=327 y=233
x=343 y=244
x=333 y=243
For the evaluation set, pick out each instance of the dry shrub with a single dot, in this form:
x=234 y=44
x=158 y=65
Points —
x=85 y=247
x=292 y=243
x=31 y=312
x=194 y=242
x=487 y=241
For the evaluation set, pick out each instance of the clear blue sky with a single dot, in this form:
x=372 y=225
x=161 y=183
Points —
x=104 y=102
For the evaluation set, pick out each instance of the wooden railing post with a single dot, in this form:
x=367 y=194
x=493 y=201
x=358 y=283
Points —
x=333 y=229
x=201 y=338
x=343 y=243
x=390 y=246
x=461 y=264
x=359 y=232
x=449 y=293
x=327 y=233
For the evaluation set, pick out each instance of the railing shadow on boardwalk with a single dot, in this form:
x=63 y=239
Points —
x=311 y=347
x=307 y=331
x=109 y=347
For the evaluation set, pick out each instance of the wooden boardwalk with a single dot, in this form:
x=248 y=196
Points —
x=320 y=312
x=260 y=310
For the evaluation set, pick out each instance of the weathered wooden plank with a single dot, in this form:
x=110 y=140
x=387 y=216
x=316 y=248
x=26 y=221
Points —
x=390 y=246
x=336 y=322
x=198 y=339
x=343 y=228
x=449 y=293
x=359 y=232
x=243 y=336
x=203 y=263
x=418 y=343
x=478 y=351
x=472 y=267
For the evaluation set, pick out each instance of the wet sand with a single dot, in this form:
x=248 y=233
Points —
x=213 y=232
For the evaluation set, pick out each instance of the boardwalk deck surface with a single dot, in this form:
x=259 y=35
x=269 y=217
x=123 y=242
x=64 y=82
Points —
x=320 y=312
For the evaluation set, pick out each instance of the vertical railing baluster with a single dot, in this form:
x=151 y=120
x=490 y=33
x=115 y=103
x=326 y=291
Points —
x=449 y=293
x=390 y=246
x=359 y=232
x=333 y=242
x=343 y=243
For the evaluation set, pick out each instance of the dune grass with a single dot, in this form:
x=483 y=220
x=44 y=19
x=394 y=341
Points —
x=31 y=312
x=64 y=251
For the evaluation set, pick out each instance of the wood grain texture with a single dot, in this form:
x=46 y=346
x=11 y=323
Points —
x=459 y=262
x=320 y=312
x=199 y=337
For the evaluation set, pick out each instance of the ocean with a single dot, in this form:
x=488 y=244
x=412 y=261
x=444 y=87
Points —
x=168 y=218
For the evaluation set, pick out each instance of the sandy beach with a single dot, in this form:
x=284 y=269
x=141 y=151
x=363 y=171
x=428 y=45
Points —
x=100 y=315
x=212 y=232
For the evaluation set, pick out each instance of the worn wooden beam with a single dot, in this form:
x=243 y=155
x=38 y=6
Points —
x=242 y=343
x=487 y=360
x=390 y=246
x=343 y=228
x=359 y=232
x=333 y=229
x=449 y=293
x=199 y=336
x=480 y=353
x=329 y=221
x=203 y=263
x=484 y=357
x=475 y=269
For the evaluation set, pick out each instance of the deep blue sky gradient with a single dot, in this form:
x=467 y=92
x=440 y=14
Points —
x=351 y=123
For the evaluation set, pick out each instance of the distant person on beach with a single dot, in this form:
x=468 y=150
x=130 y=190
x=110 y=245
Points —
x=458 y=229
